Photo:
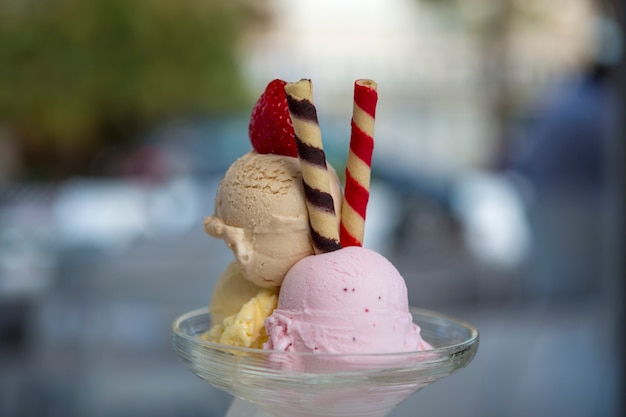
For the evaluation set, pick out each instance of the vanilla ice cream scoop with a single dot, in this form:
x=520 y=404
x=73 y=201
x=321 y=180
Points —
x=261 y=214
x=238 y=310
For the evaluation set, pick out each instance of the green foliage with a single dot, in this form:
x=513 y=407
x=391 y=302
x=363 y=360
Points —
x=71 y=69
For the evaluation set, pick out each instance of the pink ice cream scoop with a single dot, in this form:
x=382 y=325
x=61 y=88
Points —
x=352 y=300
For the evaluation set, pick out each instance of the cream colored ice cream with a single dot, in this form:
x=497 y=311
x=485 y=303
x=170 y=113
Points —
x=261 y=214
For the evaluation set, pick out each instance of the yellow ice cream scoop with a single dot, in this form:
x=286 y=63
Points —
x=247 y=328
x=238 y=309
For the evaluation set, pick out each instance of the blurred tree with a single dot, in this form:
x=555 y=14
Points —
x=78 y=75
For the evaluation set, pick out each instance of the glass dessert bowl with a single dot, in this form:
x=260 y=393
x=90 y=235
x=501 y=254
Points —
x=291 y=384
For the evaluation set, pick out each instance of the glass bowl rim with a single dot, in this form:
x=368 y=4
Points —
x=439 y=351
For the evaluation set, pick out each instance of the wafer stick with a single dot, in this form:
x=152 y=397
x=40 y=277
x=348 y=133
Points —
x=359 y=165
x=322 y=217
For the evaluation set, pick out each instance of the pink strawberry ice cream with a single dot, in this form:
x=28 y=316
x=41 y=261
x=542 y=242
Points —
x=352 y=300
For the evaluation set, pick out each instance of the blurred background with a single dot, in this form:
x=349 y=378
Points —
x=497 y=186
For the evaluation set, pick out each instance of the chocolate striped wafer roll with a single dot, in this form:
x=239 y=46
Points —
x=322 y=217
x=358 y=167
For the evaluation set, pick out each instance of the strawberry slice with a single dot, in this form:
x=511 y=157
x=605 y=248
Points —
x=271 y=129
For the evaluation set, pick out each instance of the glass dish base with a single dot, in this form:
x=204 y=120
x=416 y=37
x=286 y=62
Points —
x=269 y=383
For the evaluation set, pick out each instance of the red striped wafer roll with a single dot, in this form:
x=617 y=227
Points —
x=322 y=217
x=359 y=166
